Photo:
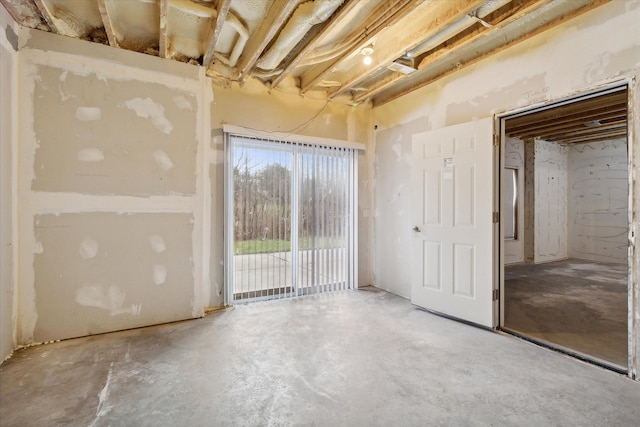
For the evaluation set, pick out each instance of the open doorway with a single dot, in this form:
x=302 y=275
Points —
x=565 y=219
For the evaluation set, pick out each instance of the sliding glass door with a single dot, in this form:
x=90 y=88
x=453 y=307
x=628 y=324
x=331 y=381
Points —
x=290 y=219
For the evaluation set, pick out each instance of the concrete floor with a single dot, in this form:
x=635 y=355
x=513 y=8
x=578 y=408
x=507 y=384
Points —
x=351 y=358
x=575 y=304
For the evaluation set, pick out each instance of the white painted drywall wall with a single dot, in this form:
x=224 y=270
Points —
x=8 y=145
x=551 y=217
x=111 y=189
x=598 y=201
x=514 y=158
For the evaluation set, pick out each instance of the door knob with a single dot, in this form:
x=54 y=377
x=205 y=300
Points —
x=416 y=229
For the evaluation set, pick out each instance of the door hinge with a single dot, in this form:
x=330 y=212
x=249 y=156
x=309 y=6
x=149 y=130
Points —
x=496 y=294
x=496 y=217
x=496 y=140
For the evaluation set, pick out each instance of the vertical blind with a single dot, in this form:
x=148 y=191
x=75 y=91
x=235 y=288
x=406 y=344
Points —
x=290 y=218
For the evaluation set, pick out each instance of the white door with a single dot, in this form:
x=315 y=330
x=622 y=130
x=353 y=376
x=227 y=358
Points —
x=453 y=218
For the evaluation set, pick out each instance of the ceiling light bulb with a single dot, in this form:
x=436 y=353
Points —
x=367 y=60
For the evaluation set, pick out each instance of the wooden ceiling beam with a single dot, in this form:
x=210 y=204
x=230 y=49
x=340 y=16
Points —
x=427 y=20
x=386 y=15
x=597 y=114
x=508 y=14
x=554 y=126
x=46 y=15
x=276 y=17
x=575 y=130
x=583 y=8
x=615 y=100
x=108 y=23
x=337 y=18
x=164 y=47
x=593 y=138
x=223 y=11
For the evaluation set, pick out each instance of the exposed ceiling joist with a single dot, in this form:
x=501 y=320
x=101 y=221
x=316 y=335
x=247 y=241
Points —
x=108 y=23
x=46 y=14
x=164 y=48
x=594 y=119
x=503 y=17
x=401 y=40
x=536 y=24
x=316 y=42
x=335 y=20
x=271 y=24
x=387 y=14
x=223 y=11
x=551 y=125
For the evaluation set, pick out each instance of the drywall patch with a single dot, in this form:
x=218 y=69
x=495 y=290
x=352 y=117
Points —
x=88 y=114
x=182 y=102
x=159 y=274
x=149 y=109
x=163 y=160
x=88 y=248
x=110 y=299
x=157 y=244
x=90 y=155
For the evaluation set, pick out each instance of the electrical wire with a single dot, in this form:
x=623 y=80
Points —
x=290 y=132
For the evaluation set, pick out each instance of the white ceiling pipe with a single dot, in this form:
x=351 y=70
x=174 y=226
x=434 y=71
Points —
x=305 y=16
x=457 y=27
x=243 y=36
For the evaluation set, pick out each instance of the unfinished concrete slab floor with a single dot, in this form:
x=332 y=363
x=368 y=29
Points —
x=576 y=304
x=351 y=358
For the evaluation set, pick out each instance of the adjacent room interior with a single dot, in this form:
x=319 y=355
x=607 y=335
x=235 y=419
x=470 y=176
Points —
x=331 y=212
x=566 y=199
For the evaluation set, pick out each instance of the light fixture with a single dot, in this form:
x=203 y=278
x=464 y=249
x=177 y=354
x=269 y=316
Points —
x=367 y=51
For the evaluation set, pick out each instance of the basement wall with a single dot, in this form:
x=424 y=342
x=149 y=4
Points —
x=111 y=189
x=120 y=185
x=597 y=47
x=551 y=186
x=599 y=201
x=8 y=143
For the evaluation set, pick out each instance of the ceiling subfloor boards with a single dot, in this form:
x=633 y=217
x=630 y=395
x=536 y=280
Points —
x=595 y=119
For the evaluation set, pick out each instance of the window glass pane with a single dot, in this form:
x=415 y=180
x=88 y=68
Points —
x=510 y=203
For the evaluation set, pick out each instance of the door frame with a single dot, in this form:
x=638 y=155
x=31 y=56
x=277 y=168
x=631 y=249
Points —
x=633 y=254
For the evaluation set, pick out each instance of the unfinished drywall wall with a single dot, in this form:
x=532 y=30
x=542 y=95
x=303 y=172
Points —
x=254 y=107
x=8 y=145
x=598 y=201
x=551 y=186
x=111 y=189
x=514 y=159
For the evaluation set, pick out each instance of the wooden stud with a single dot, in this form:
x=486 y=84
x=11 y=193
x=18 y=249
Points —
x=163 y=44
x=223 y=11
x=108 y=23
x=46 y=15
